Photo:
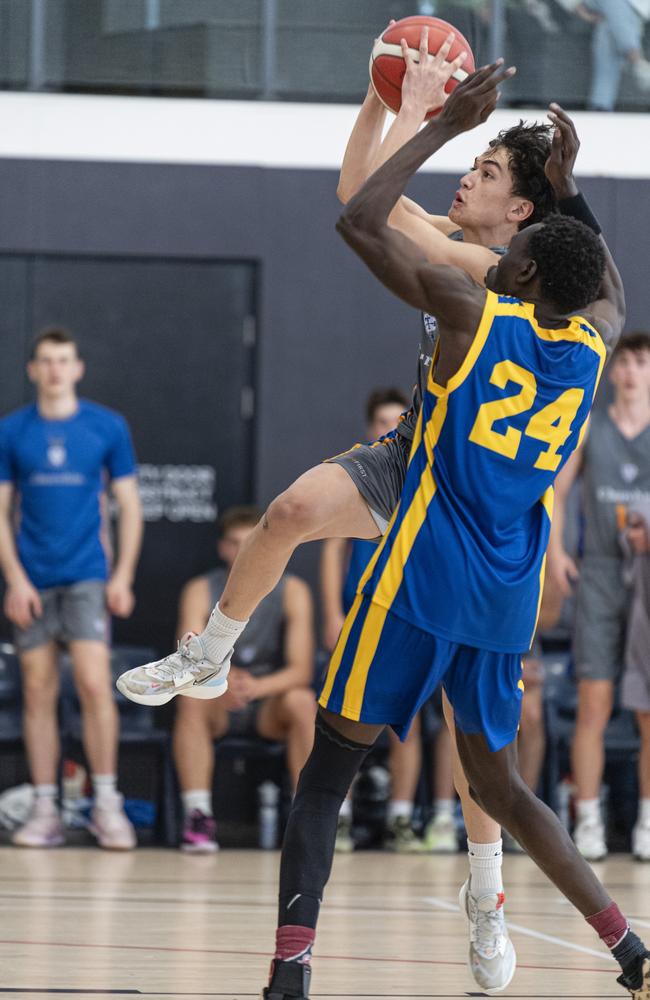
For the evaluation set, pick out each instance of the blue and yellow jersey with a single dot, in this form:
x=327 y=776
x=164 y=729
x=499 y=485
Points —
x=463 y=557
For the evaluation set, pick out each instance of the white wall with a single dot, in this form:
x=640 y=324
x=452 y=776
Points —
x=255 y=133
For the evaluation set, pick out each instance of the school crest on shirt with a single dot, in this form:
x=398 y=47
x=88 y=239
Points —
x=56 y=454
x=629 y=471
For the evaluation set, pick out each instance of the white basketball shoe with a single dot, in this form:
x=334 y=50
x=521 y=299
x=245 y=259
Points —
x=589 y=837
x=492 y=960
x=187 y=671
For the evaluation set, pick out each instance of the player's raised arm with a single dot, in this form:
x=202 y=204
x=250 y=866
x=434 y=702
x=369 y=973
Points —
x=608 y=312
x=394 y=258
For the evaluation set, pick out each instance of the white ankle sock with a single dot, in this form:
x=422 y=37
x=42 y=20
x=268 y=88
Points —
x=644 y=812
x=45 y=798
x=588 y=810
x=485 y=861
x=399 y=809
x=444 y=807
x=220 y=635
x=345 y=812
x=104 y=787
x=197 y=798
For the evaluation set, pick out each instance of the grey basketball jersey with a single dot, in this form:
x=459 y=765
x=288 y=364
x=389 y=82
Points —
x=616 y=476
x=260 y=648
x=406 y=426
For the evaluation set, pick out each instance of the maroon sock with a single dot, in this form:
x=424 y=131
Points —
x=294 y=943
x=609 y=924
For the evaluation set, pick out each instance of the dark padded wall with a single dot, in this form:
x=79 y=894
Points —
x=327 y=331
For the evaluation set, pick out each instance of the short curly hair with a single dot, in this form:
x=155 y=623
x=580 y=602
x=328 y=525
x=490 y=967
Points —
x=528 y=147
x=570 y=262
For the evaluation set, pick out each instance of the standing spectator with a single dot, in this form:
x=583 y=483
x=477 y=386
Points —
x=55 y=456
x=635 y=689
x=616 y=43
x=614 y=464
x=342 y=563
x=269 y=692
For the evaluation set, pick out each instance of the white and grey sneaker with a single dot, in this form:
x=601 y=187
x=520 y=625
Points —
x=187 y=672
x=641 y=841
x=589 y=837
x=492 y=960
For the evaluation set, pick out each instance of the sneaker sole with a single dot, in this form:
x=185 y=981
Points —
x=462 y=902
x=204 y=691
x=110 y=847
x=209 y=848
x=56 y=842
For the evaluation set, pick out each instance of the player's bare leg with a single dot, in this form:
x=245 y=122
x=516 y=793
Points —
x=322 y=503
x=492 y=958
x=595 y=703
x=496 y=784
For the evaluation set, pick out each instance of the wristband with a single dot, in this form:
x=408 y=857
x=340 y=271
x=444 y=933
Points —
x=577 y=208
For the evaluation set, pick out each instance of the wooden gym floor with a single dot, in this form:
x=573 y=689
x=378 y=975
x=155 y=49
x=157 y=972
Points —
x=80 y=922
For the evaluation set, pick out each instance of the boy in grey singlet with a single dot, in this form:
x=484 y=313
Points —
x=614 y=465
x=271 y=696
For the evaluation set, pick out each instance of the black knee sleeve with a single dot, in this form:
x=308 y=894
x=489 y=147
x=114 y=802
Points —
x=308 y=847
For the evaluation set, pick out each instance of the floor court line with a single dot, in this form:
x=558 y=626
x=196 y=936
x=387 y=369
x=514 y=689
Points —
x=372 y=959
x=529 y=932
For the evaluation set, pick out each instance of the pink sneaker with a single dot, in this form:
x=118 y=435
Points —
x=43 y=827
x=109 y=824
x=199 y=834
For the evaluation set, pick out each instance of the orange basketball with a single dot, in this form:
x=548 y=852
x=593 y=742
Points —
x=387 y=66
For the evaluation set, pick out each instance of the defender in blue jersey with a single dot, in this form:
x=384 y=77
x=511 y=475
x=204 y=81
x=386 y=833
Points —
x=453 y=591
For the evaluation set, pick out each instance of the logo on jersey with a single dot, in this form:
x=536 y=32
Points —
x=56 y=454
x=430 y=325
x=629 y=471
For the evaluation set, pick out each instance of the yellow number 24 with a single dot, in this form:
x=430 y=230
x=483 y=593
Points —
x=552 y=424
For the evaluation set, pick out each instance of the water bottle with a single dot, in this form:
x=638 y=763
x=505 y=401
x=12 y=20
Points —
x=268 y=796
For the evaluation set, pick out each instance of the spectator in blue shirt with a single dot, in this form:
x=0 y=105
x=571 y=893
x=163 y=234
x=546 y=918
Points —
x=56 y=458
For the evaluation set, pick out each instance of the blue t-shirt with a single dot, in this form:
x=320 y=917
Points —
x=59 y=469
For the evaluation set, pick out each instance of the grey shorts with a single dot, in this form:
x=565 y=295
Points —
x=635 y=688
x=378 y=471
x=602 y=608
x=75 y=612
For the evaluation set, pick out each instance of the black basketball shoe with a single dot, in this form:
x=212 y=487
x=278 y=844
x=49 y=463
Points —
x=637 y=980
x=289 y=981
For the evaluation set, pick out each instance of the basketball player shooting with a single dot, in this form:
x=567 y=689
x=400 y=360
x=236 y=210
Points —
x=518 y=365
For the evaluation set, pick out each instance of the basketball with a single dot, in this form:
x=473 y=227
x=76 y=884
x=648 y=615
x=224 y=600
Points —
x=387 y=66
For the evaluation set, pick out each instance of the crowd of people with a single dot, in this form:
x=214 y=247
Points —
x=63 y=583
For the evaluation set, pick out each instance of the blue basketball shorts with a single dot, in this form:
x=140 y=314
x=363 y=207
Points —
x=384 y=669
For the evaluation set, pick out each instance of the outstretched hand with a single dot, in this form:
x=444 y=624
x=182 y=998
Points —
x=564 y=150
x=423 y=86
x=473 y=101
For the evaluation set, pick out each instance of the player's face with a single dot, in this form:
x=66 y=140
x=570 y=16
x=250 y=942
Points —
x=232 y=541
x=629 y=373
x=55 y=370
x=484 y=199
x=505 y=278
x=385 y=419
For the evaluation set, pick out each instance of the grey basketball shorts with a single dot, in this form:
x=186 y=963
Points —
x=378 y=471
x=602 y=608
x=74 y=612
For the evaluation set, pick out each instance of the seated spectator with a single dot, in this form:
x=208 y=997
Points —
x=269 y=693
x=616 y=43
x=614 y=465
x=55 y=455
x=342 y=563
